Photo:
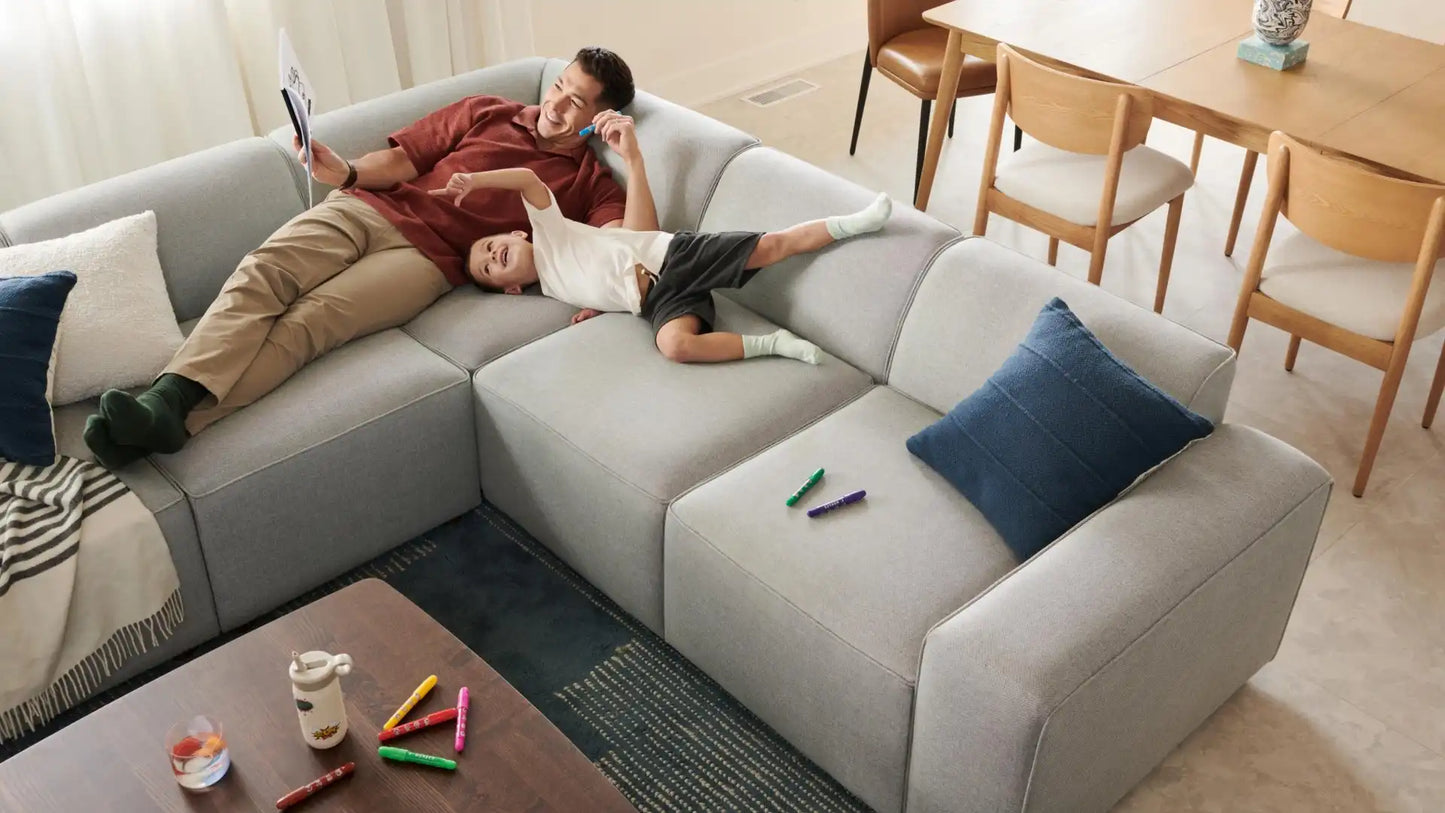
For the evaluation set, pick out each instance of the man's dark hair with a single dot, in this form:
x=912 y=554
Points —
x=614 y=75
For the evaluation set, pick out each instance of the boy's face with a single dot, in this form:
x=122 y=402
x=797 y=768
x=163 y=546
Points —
x=569 y=104
x=502 y=262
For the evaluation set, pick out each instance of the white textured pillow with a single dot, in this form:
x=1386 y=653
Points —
x=118 y=329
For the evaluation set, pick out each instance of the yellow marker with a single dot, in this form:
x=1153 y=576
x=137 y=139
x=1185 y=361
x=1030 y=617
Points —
x=416 y=696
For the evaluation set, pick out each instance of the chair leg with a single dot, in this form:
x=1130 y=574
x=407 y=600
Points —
x=1166 y=259
x=952 y=111
x=862 y=98
x=1246 y=177
x=922 y=142
x=1194 y=156
x=1018 y=138
x=1388 y=389
x=1291 y=354
x=1053 y=251
x=1433 y=402
x=1096 y=257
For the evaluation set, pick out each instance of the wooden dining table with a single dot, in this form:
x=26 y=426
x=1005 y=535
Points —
x=1371 y=94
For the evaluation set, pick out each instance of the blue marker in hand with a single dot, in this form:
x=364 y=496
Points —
x=587 y=131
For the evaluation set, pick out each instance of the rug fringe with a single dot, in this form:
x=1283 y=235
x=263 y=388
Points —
x=83 y=679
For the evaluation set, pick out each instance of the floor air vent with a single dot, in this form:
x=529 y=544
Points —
x=778 y=93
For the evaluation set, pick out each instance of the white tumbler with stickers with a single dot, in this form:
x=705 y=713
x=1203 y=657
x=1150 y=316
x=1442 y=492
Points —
x=316 y=685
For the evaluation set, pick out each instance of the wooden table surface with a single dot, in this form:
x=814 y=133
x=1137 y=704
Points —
x=1363 y=91
x=514 y=759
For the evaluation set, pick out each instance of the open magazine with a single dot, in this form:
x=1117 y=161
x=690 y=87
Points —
x=296 y=92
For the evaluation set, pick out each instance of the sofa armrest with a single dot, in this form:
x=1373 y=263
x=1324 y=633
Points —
x=1067 y=681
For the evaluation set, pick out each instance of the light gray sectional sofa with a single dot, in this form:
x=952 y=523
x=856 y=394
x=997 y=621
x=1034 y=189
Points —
x=898 y=643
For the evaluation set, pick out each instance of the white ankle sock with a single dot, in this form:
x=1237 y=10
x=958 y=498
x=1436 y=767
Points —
x=781 y=343
x=861 y=222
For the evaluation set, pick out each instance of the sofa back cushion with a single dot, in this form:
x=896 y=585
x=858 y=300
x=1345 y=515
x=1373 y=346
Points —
x=211 y=208
x=848 y=298
x=685 y=153
x=979 y=299
x=363 y=127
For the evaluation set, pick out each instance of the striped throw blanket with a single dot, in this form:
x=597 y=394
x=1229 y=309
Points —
x=86 y=582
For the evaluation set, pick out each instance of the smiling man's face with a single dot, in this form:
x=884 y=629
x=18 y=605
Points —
x=570 y=103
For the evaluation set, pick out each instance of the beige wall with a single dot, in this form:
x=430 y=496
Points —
x=692 y=51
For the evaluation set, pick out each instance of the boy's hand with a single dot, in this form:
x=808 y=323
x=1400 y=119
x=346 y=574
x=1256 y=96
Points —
x=459 y=186
x=585 y=314
x=617 y=131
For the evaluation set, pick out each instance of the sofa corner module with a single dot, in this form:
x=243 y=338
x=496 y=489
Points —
x=1068 y=681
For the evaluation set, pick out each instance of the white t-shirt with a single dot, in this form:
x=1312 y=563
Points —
x=588 y=267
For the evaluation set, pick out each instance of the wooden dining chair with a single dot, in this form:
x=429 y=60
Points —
x=905 y=48
x=1086 y=174
x=1336 y=8
x=1356 y=278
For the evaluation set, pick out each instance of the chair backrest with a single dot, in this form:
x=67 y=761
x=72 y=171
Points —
x=1350 y=208
x=1071 y=112
x=889 y=18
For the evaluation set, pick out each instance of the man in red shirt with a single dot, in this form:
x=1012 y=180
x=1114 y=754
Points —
x=381 y=248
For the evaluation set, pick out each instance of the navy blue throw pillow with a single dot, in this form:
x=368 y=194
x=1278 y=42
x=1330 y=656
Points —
x=1055 y=434
x=29 y=316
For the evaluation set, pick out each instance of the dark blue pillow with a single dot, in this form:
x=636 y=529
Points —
x=29 y=316
x=1055 y=434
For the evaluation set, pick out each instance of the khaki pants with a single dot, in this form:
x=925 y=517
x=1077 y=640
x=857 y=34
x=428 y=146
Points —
x=332 y=274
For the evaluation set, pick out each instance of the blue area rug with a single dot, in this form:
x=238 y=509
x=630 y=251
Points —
x=663 y=732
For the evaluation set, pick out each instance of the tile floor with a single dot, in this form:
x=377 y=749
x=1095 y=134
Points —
x=1350 y=715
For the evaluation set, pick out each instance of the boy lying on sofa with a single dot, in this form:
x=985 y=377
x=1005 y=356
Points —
x=665 y=278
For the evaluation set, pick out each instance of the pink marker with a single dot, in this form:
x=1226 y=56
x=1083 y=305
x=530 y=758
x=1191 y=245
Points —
x=462 y=701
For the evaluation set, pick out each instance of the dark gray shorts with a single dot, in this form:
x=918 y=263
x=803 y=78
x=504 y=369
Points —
x=696 y=265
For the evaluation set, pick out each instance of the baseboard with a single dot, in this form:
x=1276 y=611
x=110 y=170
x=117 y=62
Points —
x=757 y=65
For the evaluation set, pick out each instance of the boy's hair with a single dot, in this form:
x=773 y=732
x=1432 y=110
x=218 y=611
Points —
x=609 y=69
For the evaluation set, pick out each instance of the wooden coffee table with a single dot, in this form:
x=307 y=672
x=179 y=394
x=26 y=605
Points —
x=514 y=759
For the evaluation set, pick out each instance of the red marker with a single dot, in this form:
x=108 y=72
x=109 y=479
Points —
x=463 y=701
x=417 y=725
x=306 y=791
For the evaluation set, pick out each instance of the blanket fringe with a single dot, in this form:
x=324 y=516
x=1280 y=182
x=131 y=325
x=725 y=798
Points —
x=86 y=677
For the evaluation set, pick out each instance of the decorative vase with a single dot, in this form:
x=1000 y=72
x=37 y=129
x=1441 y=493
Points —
x=1279 y=22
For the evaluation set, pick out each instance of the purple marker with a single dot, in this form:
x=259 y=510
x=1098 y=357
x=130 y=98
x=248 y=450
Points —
x=846 y=499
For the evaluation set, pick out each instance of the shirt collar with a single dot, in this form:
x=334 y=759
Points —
x=527 y=118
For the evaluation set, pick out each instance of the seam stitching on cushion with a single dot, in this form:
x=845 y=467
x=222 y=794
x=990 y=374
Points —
x=567 y=441
x=1108 y=410
x=4 y=238
x=794 y=433
x=909 y=302
x=299 y=180
x=1005 y=469
x=1208 y=378
x=1033 y=768
x=325 y=441
x=1078 y=325
x=717 y=179
x=1047 y=431
x=908 y=684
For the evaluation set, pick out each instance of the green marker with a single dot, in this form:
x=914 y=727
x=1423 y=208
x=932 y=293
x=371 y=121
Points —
x=402 y=755
x=812 y=481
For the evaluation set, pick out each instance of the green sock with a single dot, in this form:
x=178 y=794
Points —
x=107 y=452
x=155 y=420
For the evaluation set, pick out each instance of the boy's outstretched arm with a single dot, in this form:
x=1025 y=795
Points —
x=519 y=179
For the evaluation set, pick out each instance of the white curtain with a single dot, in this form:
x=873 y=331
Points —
x=94 y=88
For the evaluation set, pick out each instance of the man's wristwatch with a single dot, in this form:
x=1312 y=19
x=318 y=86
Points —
x=350 y=176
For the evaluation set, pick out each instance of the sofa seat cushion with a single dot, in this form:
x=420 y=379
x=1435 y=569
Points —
x=470 y=327
x=1069 y=184
x=817 y=624
x=363 y=448
x=587 y=435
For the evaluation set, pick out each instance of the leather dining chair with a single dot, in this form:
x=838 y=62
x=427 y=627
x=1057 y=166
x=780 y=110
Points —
x=909 y=51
